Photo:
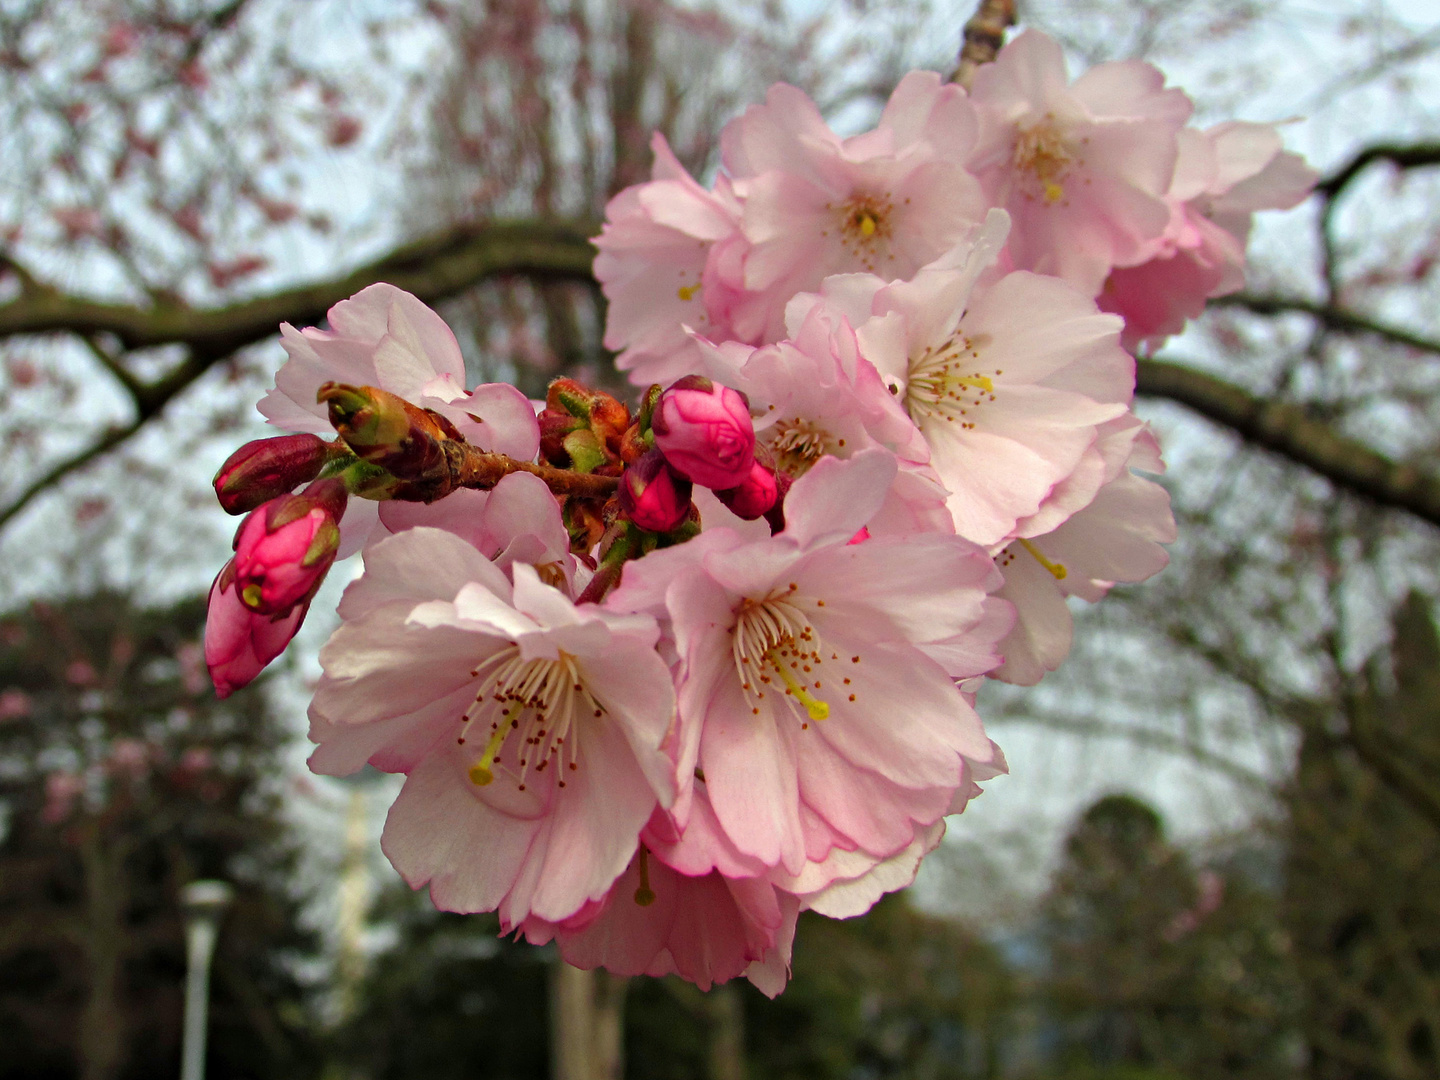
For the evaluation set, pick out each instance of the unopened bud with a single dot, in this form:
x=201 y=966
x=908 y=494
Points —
x=572 y=409
x=554 y=427
x=753 y=498
x=268 y=468
x=705 y=432
x=238 y=642
x=284 y=549
x=584 y=450
x=652 y=496
x=386 y=430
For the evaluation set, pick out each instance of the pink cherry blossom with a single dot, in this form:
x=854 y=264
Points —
x=1222 y=176
x=1116 y=538
x=1081 y=167
x=804 y=698
x=887 y=201
x=656 y=252
x=529 y=729
x=815 y=396
x=385 y=337
x=707 y=929
x=1008 y=383
x=517 y=521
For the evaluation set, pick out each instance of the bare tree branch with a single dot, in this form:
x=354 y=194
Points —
x=1150 y=738
x=1401 y=155
x=433 y=269
x=1291 y=432
x=1336 y=318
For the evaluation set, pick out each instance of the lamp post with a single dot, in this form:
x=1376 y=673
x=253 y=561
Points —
x=203 y=903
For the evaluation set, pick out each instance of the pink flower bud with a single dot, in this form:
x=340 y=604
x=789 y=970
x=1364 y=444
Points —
x=268 y=468
x=284 y=549
x=652 y=496
x=753 y=498
x=238 y=642
x=705 y=433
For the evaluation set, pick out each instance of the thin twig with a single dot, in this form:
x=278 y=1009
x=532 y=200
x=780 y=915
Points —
x=1336 y=318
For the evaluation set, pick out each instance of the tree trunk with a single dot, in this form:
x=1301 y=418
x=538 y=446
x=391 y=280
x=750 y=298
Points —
x=727 y=1033
x=587 y=1024
x=102 y=1024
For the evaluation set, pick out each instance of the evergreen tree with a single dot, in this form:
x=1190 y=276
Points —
x=1157 y=969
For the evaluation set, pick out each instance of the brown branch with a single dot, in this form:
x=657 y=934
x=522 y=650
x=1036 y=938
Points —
x=1336 y=318
x=1402 y=156
x=133 y=386
x=983 y=38
x=1292 y=433
x=433 y=268
x=104 y=444
x=474 y=468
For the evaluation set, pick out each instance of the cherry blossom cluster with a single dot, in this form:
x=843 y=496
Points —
x=661 y=678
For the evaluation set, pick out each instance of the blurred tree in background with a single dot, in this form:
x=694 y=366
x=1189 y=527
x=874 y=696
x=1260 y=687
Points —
x=121 y=780
x=1154 y=964
x=1362 y=880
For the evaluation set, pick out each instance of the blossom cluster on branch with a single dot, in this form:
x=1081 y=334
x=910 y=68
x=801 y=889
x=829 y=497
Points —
x=660 y=679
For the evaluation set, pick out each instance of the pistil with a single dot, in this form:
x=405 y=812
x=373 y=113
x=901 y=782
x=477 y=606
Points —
x=1056 y=569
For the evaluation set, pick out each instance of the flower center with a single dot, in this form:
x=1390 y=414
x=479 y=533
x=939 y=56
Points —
x=538 y=703
x=1043 y=153
x=778 y=655
x=797 y=444
x=866 y=223
x=945 y=383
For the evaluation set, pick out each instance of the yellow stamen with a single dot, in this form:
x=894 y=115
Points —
x=251 y=595
x=1053 y=192
x=866 y=223
x=817 y=709
x=687 y=292
x=1058 y=569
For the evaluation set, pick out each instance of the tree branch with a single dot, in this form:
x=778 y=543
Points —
x=433 y=268
x=1337 y=318
x=105 y=443
x=1290 y=432
x=1403 y=156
